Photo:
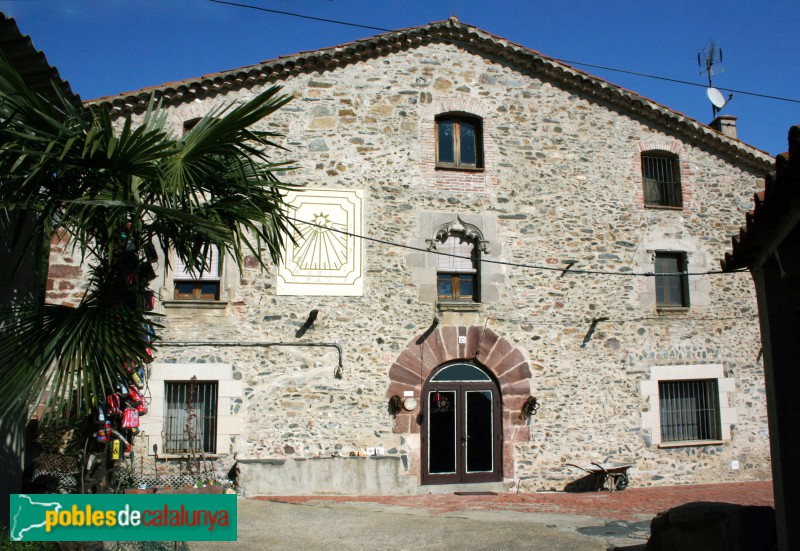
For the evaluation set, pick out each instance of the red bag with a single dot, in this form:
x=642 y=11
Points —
x=141 y=408
x=113 y=404
x=104 y=432
x=130 y=418
x=135 y=396
x=149 y=301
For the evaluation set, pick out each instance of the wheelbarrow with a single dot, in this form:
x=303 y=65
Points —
x=611 y=475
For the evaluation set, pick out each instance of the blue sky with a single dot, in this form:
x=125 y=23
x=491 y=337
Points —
x=104 y=47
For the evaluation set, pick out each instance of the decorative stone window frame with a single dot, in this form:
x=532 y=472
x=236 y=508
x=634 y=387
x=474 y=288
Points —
x=423 y=265
x=229 y=424
x=672 y=149
x=651 y=419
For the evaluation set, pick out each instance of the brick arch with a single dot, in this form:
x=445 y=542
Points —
x=494 y=353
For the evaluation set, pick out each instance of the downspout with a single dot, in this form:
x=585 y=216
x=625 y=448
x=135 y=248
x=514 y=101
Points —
x=337 y=372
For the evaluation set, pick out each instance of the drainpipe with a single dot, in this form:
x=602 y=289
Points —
x=337 y=372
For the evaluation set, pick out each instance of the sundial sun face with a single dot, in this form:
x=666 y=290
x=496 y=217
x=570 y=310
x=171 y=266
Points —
x=320 y=248
x=321 y=222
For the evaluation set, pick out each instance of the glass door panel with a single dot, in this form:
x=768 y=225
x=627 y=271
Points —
x=479 y=438
x=442 y=432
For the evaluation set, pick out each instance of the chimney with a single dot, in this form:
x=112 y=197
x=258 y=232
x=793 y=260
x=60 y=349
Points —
x=725 y=124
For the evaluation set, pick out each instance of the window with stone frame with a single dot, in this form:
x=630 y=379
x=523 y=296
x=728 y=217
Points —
x=672 y=283
x=689 y=411
x=661 y=180
x=457 y=269
x=190 y=416
x=459 y=141
x=201 y=283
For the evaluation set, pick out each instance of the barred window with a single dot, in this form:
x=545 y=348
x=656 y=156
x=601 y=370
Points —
x=661 y=178
x=689 y=410
x=190 y=423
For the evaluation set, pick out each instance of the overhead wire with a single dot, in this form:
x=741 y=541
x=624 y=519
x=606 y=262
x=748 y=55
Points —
x=482 y=259
x=602 y=67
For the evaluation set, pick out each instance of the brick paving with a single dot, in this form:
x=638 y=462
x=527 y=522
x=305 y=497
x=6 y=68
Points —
x=628 y=505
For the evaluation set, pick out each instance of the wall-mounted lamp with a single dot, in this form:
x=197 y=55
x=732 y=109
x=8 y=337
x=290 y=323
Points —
x=395 y=405
x=398 y=404
x=529 y=408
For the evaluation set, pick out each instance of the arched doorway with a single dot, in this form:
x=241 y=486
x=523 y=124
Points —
x=476 y=345
x=461 y=432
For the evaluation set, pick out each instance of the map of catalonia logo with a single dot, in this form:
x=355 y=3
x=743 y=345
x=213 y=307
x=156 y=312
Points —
x=123 y=517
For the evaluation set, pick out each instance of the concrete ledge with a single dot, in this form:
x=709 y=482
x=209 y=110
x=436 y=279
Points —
x=381 y=475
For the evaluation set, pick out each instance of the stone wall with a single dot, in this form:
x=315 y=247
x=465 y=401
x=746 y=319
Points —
x=562 y=184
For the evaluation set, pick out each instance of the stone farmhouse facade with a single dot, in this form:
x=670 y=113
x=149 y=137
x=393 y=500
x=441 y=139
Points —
x=480 y=226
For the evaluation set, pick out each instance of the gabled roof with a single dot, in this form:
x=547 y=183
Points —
x=452 y=32
x=30 y=62
x=775 y=218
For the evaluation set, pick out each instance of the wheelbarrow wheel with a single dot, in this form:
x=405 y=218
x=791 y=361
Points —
x=622 y=481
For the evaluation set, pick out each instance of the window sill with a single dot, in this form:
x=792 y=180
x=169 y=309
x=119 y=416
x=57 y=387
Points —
x=672 y=310
x=460 y=168
x=456 y=306
x=690 y=443
x=663 y=207
x=196 y=304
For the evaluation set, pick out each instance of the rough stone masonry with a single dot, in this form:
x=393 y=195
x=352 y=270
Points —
x=561 y=184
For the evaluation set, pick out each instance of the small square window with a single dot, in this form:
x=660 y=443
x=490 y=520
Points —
x=661 y=179
x=190 y=423
x=672 y=291
x=198 y=284
x=459 y=142
x=689 y=410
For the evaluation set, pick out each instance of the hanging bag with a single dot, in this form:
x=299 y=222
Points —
x=130 y=418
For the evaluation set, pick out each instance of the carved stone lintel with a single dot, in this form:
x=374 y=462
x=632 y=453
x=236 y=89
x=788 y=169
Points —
x=458 y=226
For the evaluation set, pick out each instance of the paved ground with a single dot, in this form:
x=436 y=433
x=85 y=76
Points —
x=542 y=521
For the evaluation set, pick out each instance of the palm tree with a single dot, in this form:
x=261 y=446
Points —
x=120 y=190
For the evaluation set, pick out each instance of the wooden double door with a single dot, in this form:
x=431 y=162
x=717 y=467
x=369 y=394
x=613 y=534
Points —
x=461 y=426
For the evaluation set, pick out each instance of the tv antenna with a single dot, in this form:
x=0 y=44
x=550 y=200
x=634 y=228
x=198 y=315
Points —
x=709 y=60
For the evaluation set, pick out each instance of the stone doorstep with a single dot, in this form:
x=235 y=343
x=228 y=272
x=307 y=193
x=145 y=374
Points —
x=482 y=487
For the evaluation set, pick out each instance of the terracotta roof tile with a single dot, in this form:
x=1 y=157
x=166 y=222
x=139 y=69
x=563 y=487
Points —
x=776 y=212
x=454 y=32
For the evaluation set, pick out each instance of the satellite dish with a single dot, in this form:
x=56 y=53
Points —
x=716 y=98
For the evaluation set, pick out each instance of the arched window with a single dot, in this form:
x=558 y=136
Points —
x=459 y=245
x=459 y=141
x=661 y=179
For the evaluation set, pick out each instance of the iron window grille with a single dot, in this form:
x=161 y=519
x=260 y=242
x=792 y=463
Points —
x=689 y=410
x=459 y=142
x=672 y=291
x=661 y=180
x=190 y=424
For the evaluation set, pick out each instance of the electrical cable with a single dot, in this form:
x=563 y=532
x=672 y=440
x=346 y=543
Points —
x=517 y=264
x=634 y=73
